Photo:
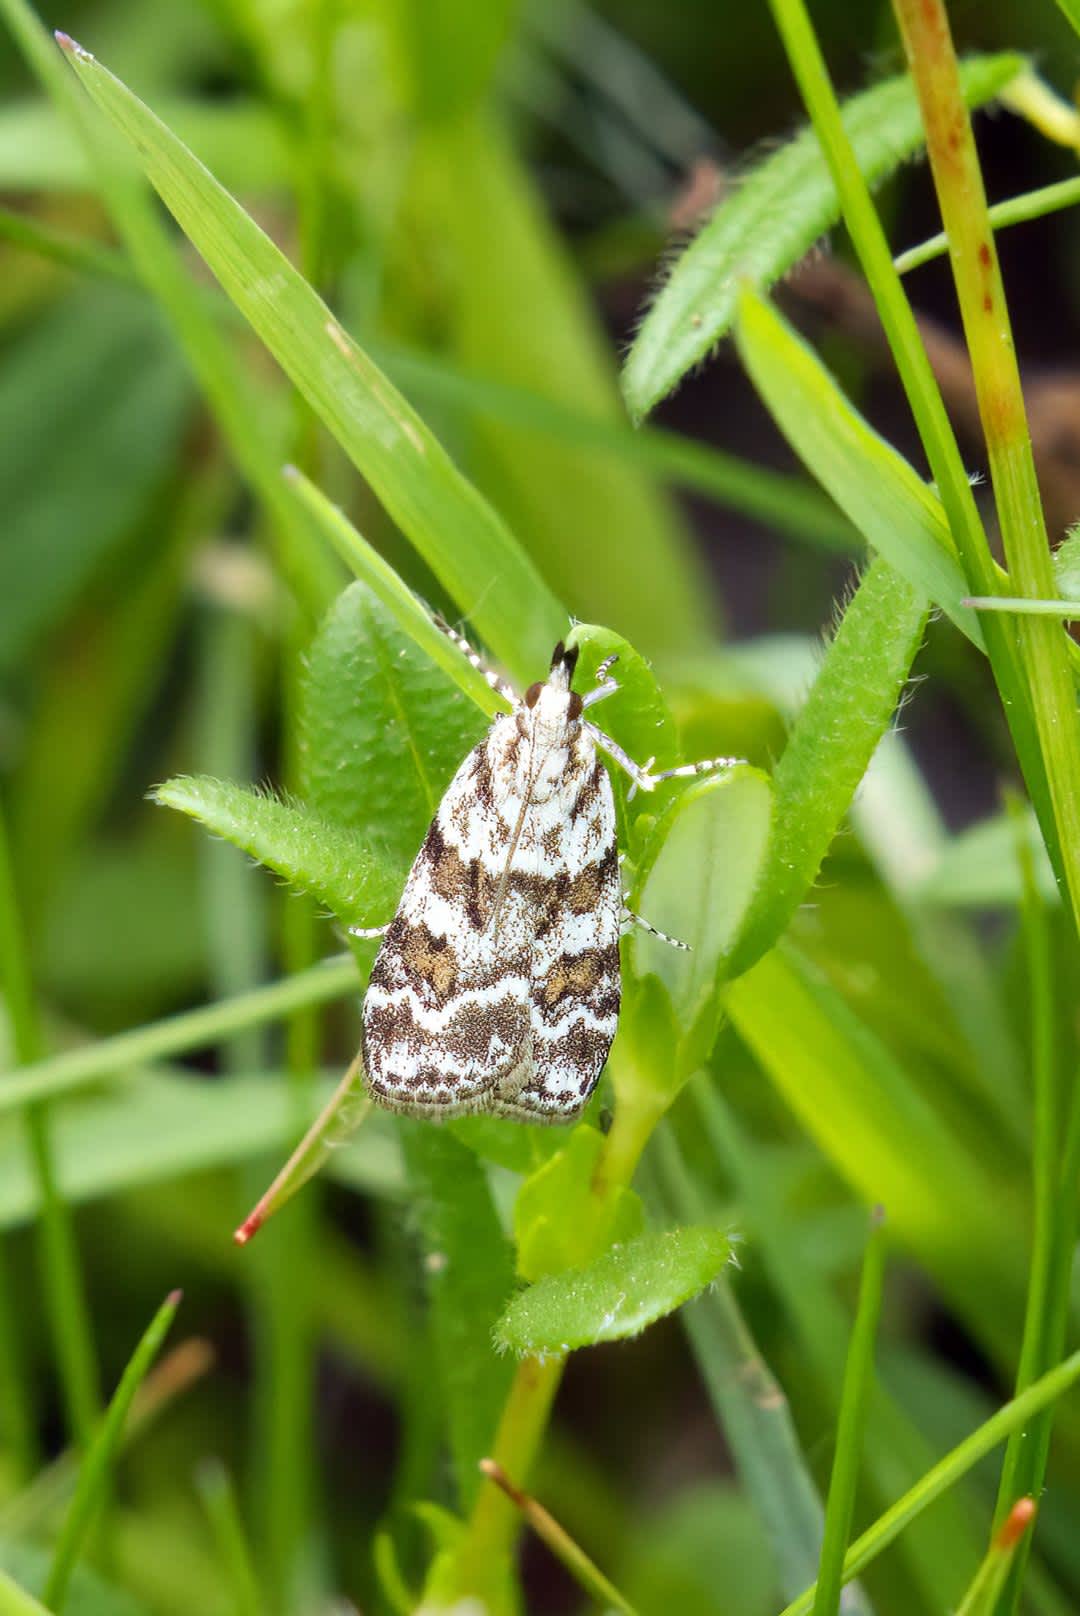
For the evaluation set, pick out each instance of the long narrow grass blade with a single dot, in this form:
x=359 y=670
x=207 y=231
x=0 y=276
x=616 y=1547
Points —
x=1017 y=210
x=15 y=1601
x=94 y=1473
x=947 y=1472
x=858 y=1376
x=458 y=533
x=366 y=562
x=584 y=1571
x=342 y=1115
x=112 y=1058
x=1067 y=609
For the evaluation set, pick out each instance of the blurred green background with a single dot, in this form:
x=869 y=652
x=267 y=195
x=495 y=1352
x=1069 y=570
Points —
x=486 y=195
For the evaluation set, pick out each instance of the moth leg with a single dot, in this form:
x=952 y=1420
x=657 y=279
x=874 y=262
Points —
x=641 y=775
x=368 y=931
x=630 y=920
x=493 y=680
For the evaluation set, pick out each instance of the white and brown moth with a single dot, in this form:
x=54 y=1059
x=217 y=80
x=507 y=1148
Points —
x=496 y=987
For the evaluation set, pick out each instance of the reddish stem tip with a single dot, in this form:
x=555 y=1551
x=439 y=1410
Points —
x=64 y=41
x=1016 y=1523
x=175 y=1297
x=251 y=1225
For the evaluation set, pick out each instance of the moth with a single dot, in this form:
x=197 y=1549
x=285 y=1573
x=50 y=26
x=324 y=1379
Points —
x=497 y=985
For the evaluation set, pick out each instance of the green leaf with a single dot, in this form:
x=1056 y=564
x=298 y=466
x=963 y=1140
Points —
x=618 y=1295
x=452 y=48
x=696 y=879
x=343 y=870
x=83 y=449
x=28 y=1564
x=896 y=512
x=848 y=710
x=556 y=1222
x=457 y=532
x=771 y=219
x=382 y=728
x=469 y=1275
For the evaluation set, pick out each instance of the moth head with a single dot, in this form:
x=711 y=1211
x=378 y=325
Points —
x=554 y=705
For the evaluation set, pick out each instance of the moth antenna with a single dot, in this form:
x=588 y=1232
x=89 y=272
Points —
x=493 y=680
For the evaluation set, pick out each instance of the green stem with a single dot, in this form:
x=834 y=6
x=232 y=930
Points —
x=15 y=1601
x=858 y=1377
x=954 y=161
x=69 y=1316
x=111 y=1058
x=1016 y=210
x=219 y=1500
x=922 y=391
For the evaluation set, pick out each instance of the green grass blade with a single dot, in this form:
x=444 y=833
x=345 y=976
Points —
x=95 y=1468
x=858 y=1377
x=457 y=532
x=336 y=865
x=68 y=1312
x=88 y=257
x=111 y=1058
x=412 y=616
x=948 y=1471
x=1017 y=210
x=1067 y=609
x=15 y=1601
x=848 y=710
x=897 y=514
x=219 y=1501
x=770 y=221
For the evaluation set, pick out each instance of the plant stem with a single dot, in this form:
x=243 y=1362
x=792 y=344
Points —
x=69 y=1317
x=111 y=1058
x=858 y=1377
x=954 y=161
x=924 y=396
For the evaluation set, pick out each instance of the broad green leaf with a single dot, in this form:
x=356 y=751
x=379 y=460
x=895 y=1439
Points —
x=165 y=1126
x=848 y=710
x=618 y=1295
x=696 y=881
x=896 y=512
x=345 y=871
x=93 y=401
x=555 y=1215
x=771 y=219
x=606 y=537
x=457 y=532
x=469 y=1274
x=382 y=729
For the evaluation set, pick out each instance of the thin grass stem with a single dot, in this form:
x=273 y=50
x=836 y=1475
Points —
x=234 y=1552
x=858 y=1378
x=1016 y=210
x=96 y=1466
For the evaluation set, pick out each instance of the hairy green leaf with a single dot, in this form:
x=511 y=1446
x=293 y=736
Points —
x=337 y=866
x=618 y=1295
x=382 y=729
x=848 y=710
x=770 y=220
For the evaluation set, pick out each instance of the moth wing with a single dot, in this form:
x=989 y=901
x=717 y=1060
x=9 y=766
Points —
x=446 y=1018
x=574 y=987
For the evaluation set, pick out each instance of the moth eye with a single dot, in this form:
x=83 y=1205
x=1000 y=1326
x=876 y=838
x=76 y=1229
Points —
x=532 y=695
x=575 y=706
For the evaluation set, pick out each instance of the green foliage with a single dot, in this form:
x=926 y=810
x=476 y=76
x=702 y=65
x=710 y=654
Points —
x=771 y=220
x=865 y=988
x=617 y=1295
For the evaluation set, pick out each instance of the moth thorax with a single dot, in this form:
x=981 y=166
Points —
x=556 y=713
